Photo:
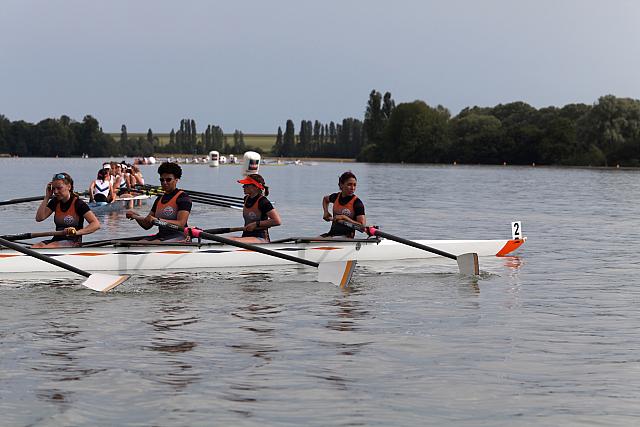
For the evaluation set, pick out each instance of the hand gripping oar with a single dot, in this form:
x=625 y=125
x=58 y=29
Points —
x=467 y=263
x=337 y=272
x=96 y=281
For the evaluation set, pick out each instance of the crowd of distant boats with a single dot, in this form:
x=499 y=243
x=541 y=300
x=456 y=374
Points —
x=251 y=159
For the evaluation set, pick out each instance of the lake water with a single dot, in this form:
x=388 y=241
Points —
x=547 y=337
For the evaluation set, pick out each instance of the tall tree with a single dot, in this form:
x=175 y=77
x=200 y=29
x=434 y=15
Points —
x=289 y=137
x=373 y=118
x=277 y=147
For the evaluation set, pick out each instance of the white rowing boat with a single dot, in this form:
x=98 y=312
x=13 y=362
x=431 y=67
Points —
x=117 y=205
x=129 y=256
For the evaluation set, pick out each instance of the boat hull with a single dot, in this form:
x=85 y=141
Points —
x=127 y=258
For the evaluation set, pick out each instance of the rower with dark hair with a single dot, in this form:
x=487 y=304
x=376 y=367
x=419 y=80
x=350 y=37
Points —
x=346 y=207
x=101 y=189
x=174 y=206
x=70 y=213
x=258 y=212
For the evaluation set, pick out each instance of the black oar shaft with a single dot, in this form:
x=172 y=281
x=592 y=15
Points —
x=196 y=198
x=41 y=257
x=414 y=244
x=375 y=232
x=22 y=200
x=239 y=244
x=200 y=193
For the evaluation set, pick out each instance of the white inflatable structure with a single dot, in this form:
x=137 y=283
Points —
x=250 y=163
x=214 y=159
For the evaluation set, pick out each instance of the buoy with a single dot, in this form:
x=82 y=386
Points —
x=250 y=162
x=214 y=159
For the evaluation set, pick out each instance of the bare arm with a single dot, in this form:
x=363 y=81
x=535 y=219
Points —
x=326 y=215
x=112 y=194
x=91 y=187
x=92 y=224
x=145 y=222
x=43 y=211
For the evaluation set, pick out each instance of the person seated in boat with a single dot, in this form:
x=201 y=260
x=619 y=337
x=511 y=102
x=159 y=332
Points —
x=136 y=176
x=258 y=212
x=173 y=206
x=346 y=207
x=122 y=182
x=70 y=213
x=101 y=190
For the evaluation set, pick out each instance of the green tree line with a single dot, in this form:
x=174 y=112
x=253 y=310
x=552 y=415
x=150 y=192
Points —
x=606 y=133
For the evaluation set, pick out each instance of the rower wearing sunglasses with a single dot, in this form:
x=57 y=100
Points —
x=173 y=206
x=70 y=213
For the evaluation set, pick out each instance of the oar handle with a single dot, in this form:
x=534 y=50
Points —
x=195 y=232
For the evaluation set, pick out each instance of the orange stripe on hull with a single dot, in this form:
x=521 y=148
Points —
x=89 y=254
x=7 y=256
x=510 y=246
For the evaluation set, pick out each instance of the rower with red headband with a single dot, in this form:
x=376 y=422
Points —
x=258 y=212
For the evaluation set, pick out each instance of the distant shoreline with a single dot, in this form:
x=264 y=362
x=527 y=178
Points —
x=348 y=160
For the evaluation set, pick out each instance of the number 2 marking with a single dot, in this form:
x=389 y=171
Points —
x=516 y=229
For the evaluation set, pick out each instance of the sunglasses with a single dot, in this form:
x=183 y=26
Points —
x=166 y=179
x=59 y=176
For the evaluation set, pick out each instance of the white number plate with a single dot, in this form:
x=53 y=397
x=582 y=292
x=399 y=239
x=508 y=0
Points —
x=516 y=230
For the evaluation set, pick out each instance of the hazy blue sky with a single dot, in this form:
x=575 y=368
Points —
x=251 y=65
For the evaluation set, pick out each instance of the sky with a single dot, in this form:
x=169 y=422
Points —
x=252 y=64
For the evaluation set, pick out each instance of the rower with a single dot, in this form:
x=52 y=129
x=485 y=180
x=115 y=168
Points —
x=70 y=213
x=136 y=174
x=101 y=189
x=174 y=206
x=122 y=183
x=258 y=212
x=346 y=207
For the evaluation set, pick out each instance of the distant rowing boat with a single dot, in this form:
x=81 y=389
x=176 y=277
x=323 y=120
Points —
x=117 y=205
x=128 y=256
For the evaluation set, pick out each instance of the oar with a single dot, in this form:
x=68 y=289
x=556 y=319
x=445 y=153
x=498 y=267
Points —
x=467 y=263
x=95 y=281
x=338 y=272
x=201 y=193
x=198 y=199
x=28 y=199
x=27 y=236
x=22 y=200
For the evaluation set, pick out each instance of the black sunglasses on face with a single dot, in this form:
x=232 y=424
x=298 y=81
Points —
x=166 y=179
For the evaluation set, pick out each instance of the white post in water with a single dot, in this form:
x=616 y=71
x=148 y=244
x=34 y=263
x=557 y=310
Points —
x=214 y=159
x=251 y=163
